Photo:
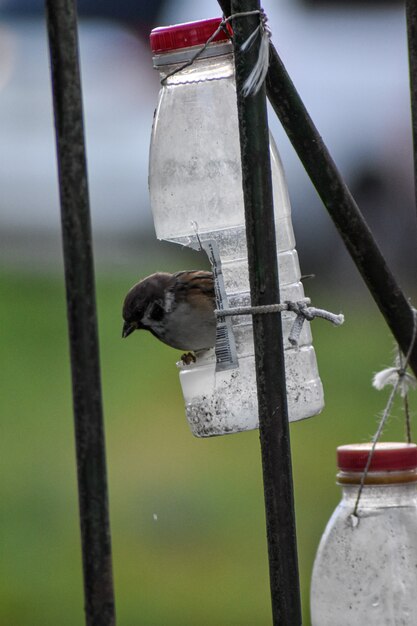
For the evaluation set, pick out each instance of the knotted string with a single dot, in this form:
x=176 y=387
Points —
x=300 y=308
x=255 y=80
x=401 y=383
x=257 y=76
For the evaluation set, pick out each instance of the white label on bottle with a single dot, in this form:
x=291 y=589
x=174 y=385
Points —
x=226 y=355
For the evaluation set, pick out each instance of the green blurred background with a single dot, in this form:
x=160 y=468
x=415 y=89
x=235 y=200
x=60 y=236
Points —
x=187 y=516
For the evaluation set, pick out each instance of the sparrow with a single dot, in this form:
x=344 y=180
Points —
x=176 y=308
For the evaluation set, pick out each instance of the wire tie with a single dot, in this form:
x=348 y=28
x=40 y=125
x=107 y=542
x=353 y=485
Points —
x=257 y=76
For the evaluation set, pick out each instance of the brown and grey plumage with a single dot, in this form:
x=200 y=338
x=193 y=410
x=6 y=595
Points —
x=177 y=308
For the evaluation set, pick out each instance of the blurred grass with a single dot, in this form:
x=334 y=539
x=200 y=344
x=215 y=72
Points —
x=187 y=515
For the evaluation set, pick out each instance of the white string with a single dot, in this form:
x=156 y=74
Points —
x=301 y=309
x=256 y=78
x=390 y=375
x=398 y=385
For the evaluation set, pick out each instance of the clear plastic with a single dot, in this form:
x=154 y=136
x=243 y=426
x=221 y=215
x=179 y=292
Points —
x=366 y=574
x=197 y=200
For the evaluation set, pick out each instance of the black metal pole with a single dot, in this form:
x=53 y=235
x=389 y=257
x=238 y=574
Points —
x=81 y=311
x=338 y=200
x=269 y=352
x=411 y=12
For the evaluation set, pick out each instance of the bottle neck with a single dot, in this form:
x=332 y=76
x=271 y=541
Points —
x=381 y=495
x=182 y=55
x=378 y=478
x=215 y=62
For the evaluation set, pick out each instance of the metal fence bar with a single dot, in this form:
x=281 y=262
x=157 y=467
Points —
x=269 y=351
x=81 y=311
x=338 y=200
x=411 y=12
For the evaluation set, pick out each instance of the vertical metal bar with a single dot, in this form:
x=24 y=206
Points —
x=411 y=12
x=269 y=352
x=81 y=311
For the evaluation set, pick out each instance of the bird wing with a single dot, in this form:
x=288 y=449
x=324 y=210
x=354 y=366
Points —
x=194 y=286
x=196 y=279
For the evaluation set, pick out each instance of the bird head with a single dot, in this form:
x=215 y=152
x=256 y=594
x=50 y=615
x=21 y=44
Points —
x=143 y=304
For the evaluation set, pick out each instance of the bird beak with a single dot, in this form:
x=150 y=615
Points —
x=128 y=328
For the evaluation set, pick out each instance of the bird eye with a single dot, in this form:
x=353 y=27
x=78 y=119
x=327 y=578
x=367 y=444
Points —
x=157 y=312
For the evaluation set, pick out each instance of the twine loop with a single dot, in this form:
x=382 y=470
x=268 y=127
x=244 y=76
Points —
x=401 y=382
x=390 y=375
x=256 y=78
x=300 y=308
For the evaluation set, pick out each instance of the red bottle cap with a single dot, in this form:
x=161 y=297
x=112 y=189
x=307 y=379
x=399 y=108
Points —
x=387 y=457
x=167 y=38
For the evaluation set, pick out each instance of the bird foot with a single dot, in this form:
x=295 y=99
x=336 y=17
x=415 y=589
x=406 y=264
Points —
x=188 y=358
